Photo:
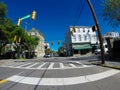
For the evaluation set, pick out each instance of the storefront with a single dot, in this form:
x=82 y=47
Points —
x=81 y=48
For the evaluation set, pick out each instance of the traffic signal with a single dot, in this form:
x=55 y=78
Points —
x=74 y=30
x=33 y=15
x=14 y=38
x=72 y=33
x=19 y=40
x=94 y=28
x=19 y=22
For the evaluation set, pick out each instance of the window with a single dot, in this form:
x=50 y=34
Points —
x=88 y=30
x=85 y=37
x=83 y=30
x=74 y=38
x=79 y=37
x=78 y=30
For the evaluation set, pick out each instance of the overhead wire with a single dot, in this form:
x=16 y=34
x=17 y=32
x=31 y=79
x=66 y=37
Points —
x=80 y=13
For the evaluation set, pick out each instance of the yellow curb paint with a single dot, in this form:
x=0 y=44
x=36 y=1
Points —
x=3 y=81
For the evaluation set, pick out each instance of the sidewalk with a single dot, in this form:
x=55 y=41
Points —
x=109 y=63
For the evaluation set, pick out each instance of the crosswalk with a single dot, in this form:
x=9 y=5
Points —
x=46 y=65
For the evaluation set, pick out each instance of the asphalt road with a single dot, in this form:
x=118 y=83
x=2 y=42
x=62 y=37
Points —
x=66 y=73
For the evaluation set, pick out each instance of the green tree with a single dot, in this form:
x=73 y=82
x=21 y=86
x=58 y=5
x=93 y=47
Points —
x=111 y=12
x=3 y=10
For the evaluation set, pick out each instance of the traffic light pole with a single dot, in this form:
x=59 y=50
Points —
x=32 y=15
x=99 y=32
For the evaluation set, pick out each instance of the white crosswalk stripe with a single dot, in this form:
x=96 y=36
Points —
x=32 y=65
x=61 y=65
x=51 y=66
x=44 y=65
x=41 y=66
x=72 y=65
x=24 y=65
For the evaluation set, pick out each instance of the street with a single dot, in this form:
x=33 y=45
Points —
x=57 y=73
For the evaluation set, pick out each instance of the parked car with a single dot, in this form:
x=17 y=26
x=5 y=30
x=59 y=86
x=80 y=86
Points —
x=98 y=50
x=47 y=55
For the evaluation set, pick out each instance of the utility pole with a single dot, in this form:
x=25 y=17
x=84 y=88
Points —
x=99 y=32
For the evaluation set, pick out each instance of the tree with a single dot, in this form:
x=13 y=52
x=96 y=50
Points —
x=3 y=10
x=111 y=12
x=61 y=51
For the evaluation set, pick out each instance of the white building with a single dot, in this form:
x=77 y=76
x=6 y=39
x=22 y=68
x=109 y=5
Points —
x=112 y=35
x=40 y=48
x=81 y=42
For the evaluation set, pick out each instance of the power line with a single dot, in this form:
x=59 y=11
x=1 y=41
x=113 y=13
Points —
x=80 y=12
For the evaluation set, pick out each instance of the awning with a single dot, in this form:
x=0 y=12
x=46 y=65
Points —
x=82 y=46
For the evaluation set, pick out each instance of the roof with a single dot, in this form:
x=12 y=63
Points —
x=35 y=30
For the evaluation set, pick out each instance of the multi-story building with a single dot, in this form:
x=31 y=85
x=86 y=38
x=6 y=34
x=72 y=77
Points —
x=82 y=41
x=110 y=37
x=40 y=48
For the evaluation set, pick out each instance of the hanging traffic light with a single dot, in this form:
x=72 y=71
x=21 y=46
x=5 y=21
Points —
x=72 y=33
x=74 y=30
x=94 y=28
x=33 y=15
x=19 y=40
x=14 y=38
x=19 y=22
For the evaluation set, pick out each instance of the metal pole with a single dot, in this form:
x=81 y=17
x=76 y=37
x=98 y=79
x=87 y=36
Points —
x=99 y=32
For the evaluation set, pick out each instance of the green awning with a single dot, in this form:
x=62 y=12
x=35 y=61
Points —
x=82 y=46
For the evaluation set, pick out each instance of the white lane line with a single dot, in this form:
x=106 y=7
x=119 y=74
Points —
x=32 y=65
x=51 y=66
x=23 y=65
x=62 y=81
x=72 y=65
x=61 y=65
x=39 y=67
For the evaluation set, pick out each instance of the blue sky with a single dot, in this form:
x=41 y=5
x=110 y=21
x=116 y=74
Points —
x=55 y=16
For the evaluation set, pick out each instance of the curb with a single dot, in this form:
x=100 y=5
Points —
x=114 y=67
x=108 y=66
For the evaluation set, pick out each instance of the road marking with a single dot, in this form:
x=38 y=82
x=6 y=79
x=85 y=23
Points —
x=81 y=64
x=39 y=67
x=62 y=81
x=61 y=65
x=32 y=65
x=51 y=66
x=72 y=65
x=3 y=81
x=23 y=65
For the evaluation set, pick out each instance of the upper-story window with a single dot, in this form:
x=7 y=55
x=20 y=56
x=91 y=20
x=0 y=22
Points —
x=83 y=29
x=85 y=37
x=79 y=37
x=74 y=37
x=88 y=30
x=79 y=30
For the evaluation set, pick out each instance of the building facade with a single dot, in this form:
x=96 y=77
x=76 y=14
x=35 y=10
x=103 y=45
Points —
x=40 y=48
x=82 y=41
x=110 y=37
